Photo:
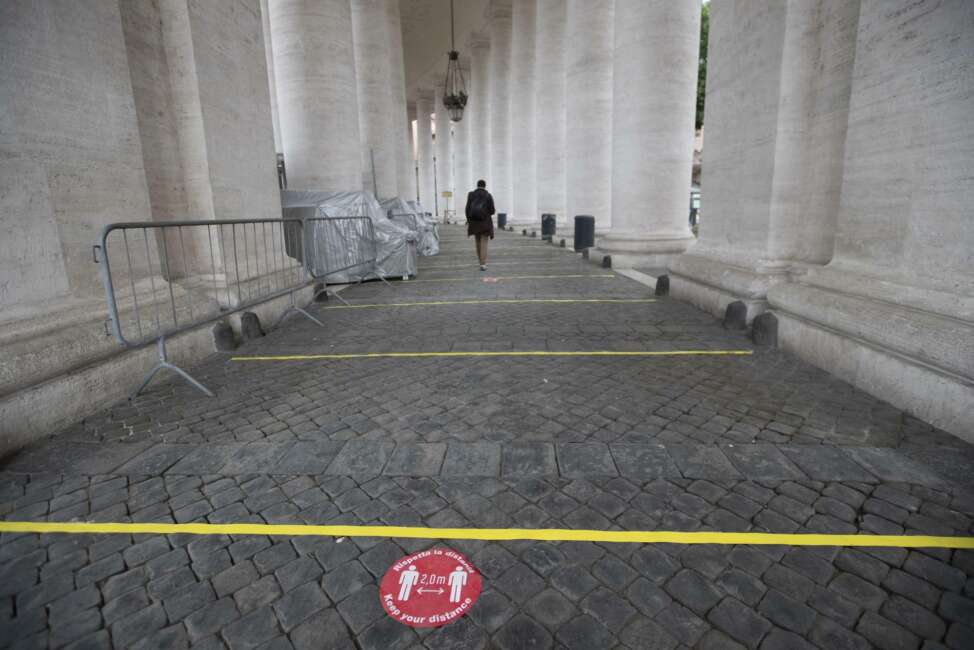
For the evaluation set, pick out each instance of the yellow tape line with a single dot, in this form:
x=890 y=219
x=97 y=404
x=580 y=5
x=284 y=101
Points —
x=513 y=277
x=494 y=534
x=556 y=301
x=512 y=353
x=527 y=262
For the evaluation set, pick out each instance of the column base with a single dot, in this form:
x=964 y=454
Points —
x=919 y=361
x=636 y=250
x=711 y=285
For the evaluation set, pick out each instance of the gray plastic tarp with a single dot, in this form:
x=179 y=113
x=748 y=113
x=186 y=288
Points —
x=428 y=236
x=395 y=244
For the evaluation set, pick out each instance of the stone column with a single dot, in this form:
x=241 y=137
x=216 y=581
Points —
x=405 y=165
x=477 y=107
x=654 y=92
x=499 y=183
x=444 y=153
x=314 y=63
x=462 y=182
x=413 y=160
x=424 y=148
x=588 y=69
x=524 y=185
x=771 y=187
x=376 y=101
x=269 y=59
x=550 y=110
x=893 y=311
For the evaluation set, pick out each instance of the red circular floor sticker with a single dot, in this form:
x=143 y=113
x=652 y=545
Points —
x=430 y=588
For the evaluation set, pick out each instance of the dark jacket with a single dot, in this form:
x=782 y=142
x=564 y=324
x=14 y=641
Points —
x=480 y=226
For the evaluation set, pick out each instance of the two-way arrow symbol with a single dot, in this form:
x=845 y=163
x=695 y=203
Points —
x=430 y=591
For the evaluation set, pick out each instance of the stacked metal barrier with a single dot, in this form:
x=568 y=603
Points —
x=164 y=278
x=336 y=244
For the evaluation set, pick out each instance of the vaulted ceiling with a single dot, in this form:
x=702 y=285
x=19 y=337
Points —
x=426 y=35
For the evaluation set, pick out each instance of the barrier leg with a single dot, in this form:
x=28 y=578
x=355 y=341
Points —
x=335 y=294
x=300 y=310
x=381 y=275
x=164 y=364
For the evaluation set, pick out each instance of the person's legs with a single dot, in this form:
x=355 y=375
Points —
x=482 y=249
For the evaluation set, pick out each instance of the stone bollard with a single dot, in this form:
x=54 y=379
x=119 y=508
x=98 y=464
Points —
x=250 y=326
x=663 y=285
x=223 y=337
x=735 y=316
x=607 y=262
x=764 y=329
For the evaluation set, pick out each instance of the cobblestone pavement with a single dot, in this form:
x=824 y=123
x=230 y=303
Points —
x=752 y=443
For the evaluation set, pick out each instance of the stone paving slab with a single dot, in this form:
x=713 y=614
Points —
x=762 y=443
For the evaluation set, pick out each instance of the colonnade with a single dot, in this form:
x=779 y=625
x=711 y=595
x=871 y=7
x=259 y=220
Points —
x=575 y=110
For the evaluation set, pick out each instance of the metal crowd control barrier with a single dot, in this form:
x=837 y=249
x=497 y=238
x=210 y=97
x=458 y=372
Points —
x=163 y=278
x=335 y=245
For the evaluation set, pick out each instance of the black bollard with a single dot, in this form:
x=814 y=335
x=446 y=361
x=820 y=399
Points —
x=584 y=231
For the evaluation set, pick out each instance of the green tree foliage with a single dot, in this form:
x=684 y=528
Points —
x=702 y=69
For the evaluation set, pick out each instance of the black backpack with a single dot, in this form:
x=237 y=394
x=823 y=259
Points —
x=479 y=208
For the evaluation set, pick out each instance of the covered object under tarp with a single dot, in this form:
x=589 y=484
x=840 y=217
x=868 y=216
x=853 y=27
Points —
x=400 y=211
x=395 y=244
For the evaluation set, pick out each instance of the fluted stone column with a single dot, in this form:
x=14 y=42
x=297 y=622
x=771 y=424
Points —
x=654 y=93
x=550 y=109
x=499 y=15
x=424 y=148
x=444 y=152
x=524 y=185
x=314 y=63
x=376 y=100
x=588 y=132
x=405 y=165
x=478 y=109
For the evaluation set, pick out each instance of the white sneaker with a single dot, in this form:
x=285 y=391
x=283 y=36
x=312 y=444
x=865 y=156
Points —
x=483 y=267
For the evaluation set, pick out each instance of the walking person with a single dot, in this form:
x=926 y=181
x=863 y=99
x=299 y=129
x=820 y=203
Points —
x=480 y=222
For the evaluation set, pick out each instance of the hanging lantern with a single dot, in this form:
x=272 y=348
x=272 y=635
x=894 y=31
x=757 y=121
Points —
x=455 y=90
